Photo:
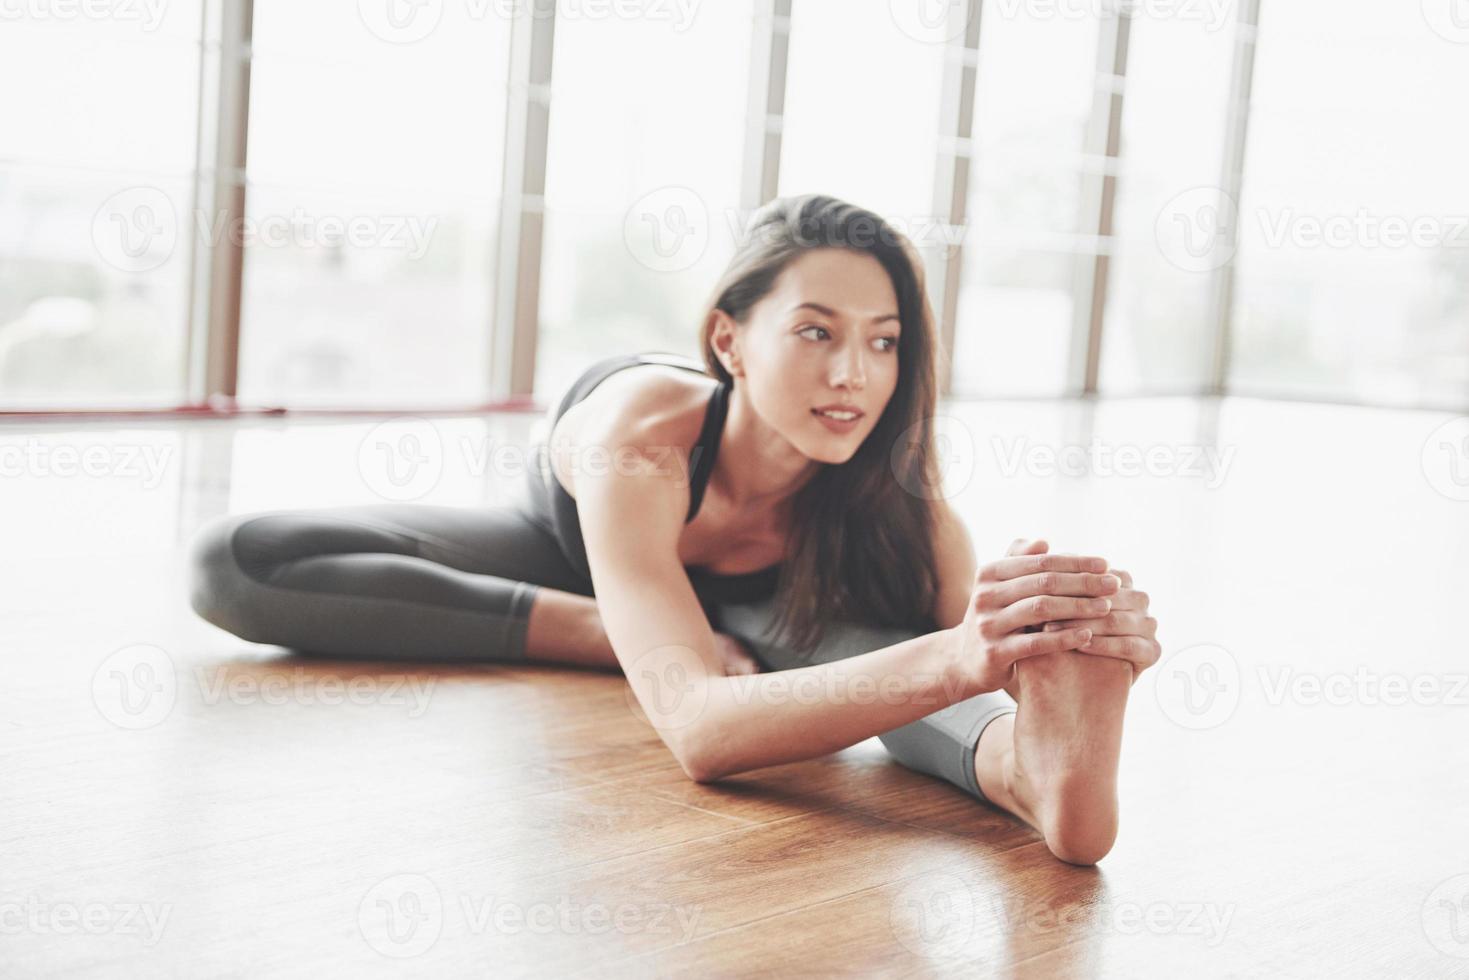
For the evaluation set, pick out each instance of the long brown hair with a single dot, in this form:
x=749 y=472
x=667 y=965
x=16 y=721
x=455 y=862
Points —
x=861 y=539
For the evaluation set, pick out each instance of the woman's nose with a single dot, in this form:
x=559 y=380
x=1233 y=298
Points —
x=850 y=370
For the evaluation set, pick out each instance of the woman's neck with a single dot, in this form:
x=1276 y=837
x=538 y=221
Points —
x=755 y=468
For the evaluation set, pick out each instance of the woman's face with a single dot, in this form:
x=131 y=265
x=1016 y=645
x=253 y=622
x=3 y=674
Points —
x=824 y=338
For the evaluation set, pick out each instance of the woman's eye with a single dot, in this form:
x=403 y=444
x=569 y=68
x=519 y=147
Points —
x=892 y=343
x=812 y=327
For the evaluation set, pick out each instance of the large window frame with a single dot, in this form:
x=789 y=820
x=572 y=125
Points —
x=213 y=337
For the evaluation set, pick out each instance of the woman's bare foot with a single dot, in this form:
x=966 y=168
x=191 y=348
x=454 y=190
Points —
x=1058 y=770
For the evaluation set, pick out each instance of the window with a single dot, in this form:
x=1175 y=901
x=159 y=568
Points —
x=642 y=179
x=1017 y=299
x=1353 y=265
x=372 y=203
x=96 y=178
x=1159 y=331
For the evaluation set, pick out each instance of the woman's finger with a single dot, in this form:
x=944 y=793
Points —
x=1015 y=567
x=1018 y=646
x=998 y=595
x=1138 y=650
x=1119 y=622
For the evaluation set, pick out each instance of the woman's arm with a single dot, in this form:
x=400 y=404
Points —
x=716 y=725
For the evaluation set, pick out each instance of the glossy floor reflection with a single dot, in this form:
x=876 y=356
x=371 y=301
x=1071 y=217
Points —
x=176 y=801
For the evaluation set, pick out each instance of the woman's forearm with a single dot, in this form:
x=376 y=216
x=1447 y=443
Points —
x=753 y=721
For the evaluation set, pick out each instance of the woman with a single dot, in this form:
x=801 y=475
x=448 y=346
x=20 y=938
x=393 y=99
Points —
x=775 y=508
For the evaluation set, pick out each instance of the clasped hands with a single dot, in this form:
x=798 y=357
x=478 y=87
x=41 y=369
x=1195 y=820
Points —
x=1031 y=603
x=1125 y=632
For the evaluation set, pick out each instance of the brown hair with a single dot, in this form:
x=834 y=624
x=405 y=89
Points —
x=869 y=558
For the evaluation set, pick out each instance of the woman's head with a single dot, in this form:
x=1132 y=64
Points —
x=823 y=305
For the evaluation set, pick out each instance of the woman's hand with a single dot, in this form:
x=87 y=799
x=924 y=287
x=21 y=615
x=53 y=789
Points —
x=734 y=656
x=1127 y=632
x=1013 y=598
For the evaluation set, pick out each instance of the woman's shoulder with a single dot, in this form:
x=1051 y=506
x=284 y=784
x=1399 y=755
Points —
x=649 y=400
x=650 y=409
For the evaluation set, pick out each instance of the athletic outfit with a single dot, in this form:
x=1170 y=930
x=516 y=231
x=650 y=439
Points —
x=435 y=583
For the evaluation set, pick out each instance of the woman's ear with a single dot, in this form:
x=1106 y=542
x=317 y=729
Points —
x=726 y=343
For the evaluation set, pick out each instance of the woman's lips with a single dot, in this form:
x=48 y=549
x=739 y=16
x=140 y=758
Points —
x=839 y=426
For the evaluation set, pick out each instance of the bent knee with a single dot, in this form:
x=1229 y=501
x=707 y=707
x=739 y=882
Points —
x=219 y=588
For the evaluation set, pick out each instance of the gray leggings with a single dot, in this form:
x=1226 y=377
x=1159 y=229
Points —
x=432 y=583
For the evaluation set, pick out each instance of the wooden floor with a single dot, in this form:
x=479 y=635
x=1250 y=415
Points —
x=177 y=802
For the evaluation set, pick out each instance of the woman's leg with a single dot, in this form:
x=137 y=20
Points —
x=1051 y=758
x=942 y=744
x=410 y=581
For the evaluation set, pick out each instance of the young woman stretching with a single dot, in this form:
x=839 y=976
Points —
x=775 y=508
